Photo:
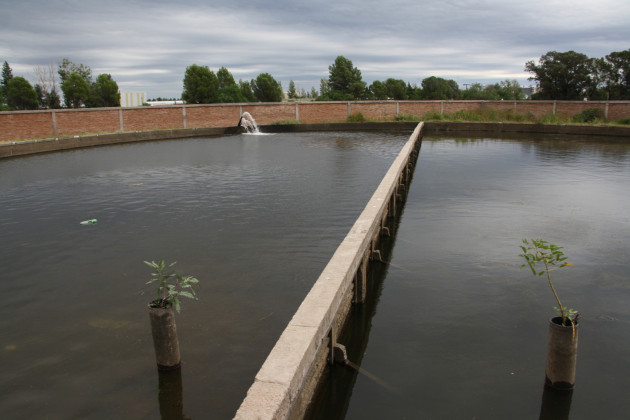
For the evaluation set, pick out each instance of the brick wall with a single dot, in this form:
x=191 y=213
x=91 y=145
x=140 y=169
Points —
x=201 y=116
x=25 y=125
x=536 y=108
x=147 y=118
x=59 y=123
x=419 y=108
x=320 y=112
x=374 y=110
x=618 y=110
x=96 y=120
x=269 y=113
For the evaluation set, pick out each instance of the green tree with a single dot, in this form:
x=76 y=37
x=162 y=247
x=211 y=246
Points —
x=267 y=89
x=510 y=90
x=378 y=90
x=229 y=91
x=225 y=78
x=246 y=90
x=201 y=85
x=345 y=81
x=563 y=75
x=104 y=92
x=292 y=92
x=478 y=92
x=7 y=75
x=47 y=99
x=21 y=95
x=437 y=88
x=67 y=67
x=396 y=89
x=414 y=92
x=53 y=99
x=231 y=94
x=76 y=91
x=314 y=94
x=41 y=96
x=614 y=73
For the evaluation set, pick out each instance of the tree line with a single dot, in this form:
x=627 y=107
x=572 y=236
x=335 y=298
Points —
x=574 y=76
x=77 y=85
x=203 y=86
x=345 y=83
x=557 y=75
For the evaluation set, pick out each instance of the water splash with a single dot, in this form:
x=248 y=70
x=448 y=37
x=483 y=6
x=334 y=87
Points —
x=249 y=123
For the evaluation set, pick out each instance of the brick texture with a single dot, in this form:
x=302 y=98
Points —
x=323 y=112
x=418 y=108
x=25 y=125
x=270 y=113
x=202 y=116
x=374 y=110
x=97 y=120
x=21 y=125
x=149 y=118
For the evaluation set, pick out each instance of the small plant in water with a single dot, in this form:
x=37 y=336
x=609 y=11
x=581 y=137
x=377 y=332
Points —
x=551 y=256
x=170 y=285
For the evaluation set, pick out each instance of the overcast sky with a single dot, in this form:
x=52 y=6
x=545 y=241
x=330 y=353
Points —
x=146 y=45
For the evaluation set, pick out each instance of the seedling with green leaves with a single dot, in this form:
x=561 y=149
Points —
x=550 y=255
x=171 y=286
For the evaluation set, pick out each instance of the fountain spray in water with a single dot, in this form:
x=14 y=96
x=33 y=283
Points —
x=249 y=123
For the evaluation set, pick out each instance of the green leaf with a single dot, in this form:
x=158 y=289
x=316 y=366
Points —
x=186 y=294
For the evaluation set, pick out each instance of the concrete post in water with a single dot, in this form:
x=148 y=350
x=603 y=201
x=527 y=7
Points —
x=561 y=354
x=360 y=280
x=165 y=340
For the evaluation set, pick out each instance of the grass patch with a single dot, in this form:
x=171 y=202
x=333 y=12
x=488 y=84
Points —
x=286 y=122
x=433 y=116
x=356 y=118
x=406 y=117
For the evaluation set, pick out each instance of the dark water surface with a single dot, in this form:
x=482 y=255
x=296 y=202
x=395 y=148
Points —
x=255 y=218
x=459 y=331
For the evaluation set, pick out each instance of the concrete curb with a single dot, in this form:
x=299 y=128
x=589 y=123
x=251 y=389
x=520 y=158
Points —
x=276 y=391
x=26 y=147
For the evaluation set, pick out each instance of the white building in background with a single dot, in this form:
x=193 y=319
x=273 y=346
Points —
x=128 y=99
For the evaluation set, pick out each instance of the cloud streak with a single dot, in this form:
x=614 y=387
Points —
x=147 y=45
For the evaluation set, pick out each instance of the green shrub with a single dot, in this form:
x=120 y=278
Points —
x=433 y=116
x=553 y=119
x=406 y=117
x=356 y=118
x=465 y=115
x=510 y=115
x=589 y=115
x=624 y=121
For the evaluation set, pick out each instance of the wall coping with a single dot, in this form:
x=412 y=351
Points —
x=26 y=147
x=280 y=379
x=245 y=104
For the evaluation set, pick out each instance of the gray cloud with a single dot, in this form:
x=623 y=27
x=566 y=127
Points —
x=147 y=45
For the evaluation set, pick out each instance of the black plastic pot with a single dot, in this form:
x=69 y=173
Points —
x=561 y=354
x=165 y=340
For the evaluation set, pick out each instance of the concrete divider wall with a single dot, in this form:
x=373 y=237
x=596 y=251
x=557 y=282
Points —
x=283 y=387
x=21 y=125
x=10 y=149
